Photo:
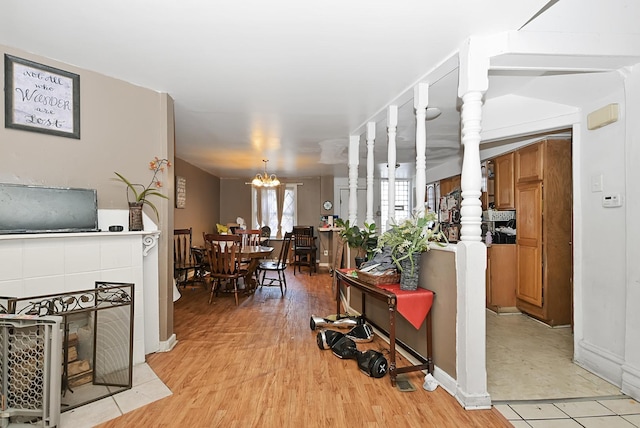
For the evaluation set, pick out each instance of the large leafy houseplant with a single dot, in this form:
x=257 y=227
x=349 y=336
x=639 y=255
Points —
x=141 y=192
x=363 y=240
x=411 y=237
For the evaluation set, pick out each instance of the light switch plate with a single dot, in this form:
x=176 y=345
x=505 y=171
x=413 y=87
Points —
x=596 y=183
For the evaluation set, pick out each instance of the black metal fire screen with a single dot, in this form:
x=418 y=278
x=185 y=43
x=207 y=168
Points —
x=97 y=347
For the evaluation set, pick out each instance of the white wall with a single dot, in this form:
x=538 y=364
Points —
x=631 y=367
x=600 y=258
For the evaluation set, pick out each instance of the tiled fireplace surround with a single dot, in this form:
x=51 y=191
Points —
x=39 y=264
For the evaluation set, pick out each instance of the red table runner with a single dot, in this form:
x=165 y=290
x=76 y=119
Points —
x=414 y=305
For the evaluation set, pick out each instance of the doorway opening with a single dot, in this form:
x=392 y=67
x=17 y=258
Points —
x=530 y=346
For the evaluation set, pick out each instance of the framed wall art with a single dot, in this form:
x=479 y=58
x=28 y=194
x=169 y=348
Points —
x=40 y=98
x=181 y=192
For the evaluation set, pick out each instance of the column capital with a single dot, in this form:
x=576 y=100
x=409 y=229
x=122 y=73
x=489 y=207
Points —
x=392 y=116
x=421 y=95
x=474 y=67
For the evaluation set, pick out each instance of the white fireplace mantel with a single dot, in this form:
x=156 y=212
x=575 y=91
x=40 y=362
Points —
x=48 y=263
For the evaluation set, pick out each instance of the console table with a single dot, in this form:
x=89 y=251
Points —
x=389 y=294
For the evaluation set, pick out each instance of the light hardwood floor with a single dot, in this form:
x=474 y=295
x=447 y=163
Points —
x=258 y=365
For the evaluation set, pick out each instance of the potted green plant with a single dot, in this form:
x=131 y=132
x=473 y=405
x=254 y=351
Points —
x=406 y=242
x=141 y=192
x=363 y=240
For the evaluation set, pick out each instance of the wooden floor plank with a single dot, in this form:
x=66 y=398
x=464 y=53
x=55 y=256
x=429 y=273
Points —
x=258 y=365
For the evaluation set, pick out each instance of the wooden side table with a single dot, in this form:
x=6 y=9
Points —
x=343 y=277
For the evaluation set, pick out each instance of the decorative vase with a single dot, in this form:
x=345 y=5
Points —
x=135 y=216
x=409 y=279
x=359 y=260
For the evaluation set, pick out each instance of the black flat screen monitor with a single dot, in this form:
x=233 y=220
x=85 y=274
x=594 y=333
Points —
x=36 y=209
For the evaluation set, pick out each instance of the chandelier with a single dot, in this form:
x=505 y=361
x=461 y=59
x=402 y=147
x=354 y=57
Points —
x=265 y=180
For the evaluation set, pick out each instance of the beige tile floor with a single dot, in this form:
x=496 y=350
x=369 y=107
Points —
x=534 y=383
x=147 y=388
x=527 y=360
x=621 y=412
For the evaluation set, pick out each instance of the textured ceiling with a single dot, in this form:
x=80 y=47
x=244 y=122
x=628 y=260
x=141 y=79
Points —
x=284 y=80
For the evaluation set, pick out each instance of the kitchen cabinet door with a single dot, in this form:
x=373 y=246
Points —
x=504 y=182
x=529 y=243
x=501 y=278
x=529 y=163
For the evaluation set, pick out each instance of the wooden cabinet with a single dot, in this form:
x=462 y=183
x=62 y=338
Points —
x=487 y=197
x=504 y=184
x=529 y=163
x=543 y=201
x=447 y=185
x=529 y=242
x=501 y=278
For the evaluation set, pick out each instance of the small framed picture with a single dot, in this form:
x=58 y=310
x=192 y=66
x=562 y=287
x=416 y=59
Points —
x=181 y=192
x=40 y=98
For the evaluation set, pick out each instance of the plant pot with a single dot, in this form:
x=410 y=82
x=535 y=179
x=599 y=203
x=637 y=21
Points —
x=409 y=280
x=135 y=216
x=359 y=261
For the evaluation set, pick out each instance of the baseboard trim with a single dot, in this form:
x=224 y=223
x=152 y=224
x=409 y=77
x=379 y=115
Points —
x=631 y=381
x=169 y=344
x=600 y=362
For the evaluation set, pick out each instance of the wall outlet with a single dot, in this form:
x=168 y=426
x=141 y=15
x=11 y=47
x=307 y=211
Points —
x=326 y=252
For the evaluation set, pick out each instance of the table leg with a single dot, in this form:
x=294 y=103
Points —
x=392 y=345
x=338 y=284
x=429 y=344
x=249 y=279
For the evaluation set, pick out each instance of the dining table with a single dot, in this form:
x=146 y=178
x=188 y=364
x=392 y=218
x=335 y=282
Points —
x=253 y=253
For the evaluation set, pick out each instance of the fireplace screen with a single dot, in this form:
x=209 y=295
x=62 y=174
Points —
x=97 y=345
x=30 y=367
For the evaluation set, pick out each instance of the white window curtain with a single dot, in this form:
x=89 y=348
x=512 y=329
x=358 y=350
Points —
x=275 y=207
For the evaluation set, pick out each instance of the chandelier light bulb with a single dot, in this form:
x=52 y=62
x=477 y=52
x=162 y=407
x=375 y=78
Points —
x=265 y=180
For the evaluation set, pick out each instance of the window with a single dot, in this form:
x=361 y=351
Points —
x=402 y=209
x=431 y=197
x=270 y=208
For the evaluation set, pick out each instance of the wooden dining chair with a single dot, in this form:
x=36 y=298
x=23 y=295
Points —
x=250 y=237
x=265 y=235
x=304 y=248
x=224 y=267
x=186 y=267
x=278 y=266
x=223 y=239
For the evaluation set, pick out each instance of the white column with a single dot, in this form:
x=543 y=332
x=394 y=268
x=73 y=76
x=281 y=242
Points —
x=371 y=136
x=471 y=180
x=420 y=102
x=471 y=254
x=354 y=141
x=392 y=124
